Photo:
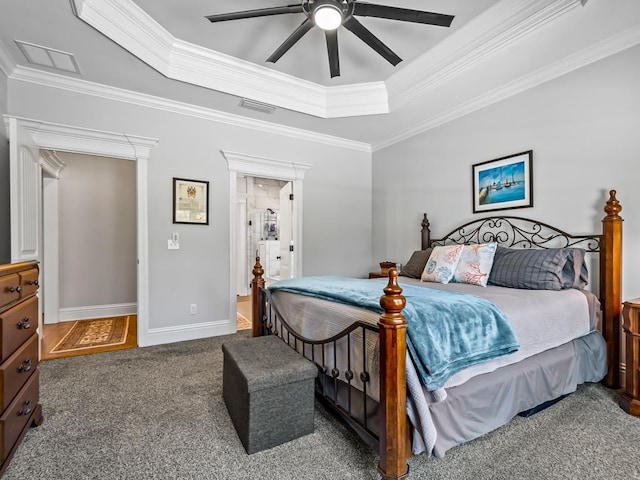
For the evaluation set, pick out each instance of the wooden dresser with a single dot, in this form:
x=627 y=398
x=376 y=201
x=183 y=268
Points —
x=19 y=387
x=630 y=399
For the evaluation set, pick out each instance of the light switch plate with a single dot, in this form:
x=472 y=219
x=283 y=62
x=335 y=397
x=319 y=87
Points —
x=171 y=245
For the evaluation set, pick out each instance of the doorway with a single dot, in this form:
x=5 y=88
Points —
x=292 y=173
x=89 y=223
x=264 y=229
x=27 y=139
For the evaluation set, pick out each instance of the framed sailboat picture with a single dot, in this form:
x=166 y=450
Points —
x=503 y=183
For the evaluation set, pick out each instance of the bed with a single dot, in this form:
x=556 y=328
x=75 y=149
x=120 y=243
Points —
x=368 y=371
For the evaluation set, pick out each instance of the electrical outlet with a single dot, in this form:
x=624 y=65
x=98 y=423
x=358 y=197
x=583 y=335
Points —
x=193 y=309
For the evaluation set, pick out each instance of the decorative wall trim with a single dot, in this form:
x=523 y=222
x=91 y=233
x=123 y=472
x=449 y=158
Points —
x=66 y=138
x=242 y=164
x=7 y=65
x=131 y=27
x=131 y=147
x=622 y=41
x=195 y=331
x=51 y=163
x=97 y=311
x=265 y=167
x=83 y=87
x=496 y=29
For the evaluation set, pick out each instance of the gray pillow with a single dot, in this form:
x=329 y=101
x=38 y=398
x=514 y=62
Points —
x=539 y=269
x=575 y=271
x=415 y=266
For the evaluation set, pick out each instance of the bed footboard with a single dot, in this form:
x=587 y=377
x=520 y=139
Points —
x=382 y=425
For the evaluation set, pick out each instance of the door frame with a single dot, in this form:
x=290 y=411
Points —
x=67 y=138
x=243 y=164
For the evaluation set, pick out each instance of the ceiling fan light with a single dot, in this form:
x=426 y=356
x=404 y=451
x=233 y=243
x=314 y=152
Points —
x=327 y=17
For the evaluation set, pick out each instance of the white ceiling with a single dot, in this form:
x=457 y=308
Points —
x=165 y=54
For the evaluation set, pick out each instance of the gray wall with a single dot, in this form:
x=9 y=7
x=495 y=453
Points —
x=5 y=233
x=336 y=203
x=583 y=129
x=97 y=236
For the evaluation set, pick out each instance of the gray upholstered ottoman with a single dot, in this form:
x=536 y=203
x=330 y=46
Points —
x=268 y=389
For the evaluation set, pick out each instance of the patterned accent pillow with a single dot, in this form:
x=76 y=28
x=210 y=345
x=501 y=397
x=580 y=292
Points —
x=534 y=269
x=442 y=264
x=475 y=264
x=415 y=266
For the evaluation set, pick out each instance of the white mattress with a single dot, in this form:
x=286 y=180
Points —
x=541 y=319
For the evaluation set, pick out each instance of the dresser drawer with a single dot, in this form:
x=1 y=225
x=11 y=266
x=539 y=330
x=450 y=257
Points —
x=29 y=282
x=17 y=414
x=9 y=289
x=17 y=325
x=17 y=369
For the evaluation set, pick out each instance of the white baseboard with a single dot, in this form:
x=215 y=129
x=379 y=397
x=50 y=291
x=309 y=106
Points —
x=97 y=311
x=194 y=331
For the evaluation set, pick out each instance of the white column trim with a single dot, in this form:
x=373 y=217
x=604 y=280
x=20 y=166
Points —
x=244 y=164
x=53 y=136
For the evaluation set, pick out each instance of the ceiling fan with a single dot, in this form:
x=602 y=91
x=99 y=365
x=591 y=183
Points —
x=328 y=15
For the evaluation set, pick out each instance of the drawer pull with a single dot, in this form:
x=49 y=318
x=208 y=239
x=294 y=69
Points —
x=16 y=289
x=24 y=368
x=24 y=323
x=24 y=411
x=32 y=282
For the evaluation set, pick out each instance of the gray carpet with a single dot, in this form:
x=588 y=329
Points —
x=157 y=413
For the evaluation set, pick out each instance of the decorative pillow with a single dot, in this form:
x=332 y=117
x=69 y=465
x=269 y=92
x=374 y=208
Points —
x=575 y=273
x=442 y=264
x=539 y=269
x=415 y=266
x=475 y=264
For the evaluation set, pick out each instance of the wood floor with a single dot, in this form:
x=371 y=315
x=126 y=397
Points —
x=244 y=312
x=53 y=333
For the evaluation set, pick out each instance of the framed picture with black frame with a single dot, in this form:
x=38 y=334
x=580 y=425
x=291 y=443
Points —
x=503 y=183
x=190 y=201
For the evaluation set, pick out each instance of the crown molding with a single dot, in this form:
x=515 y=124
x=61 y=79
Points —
x=7 y=65
x=84 y=87
x=66 y=138
x=128 y=25
x=588 y=55
x=51 y=163
x=494 y=30
x=265 y=167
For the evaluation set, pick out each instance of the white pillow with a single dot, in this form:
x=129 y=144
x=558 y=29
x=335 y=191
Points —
x=442 y=264
x=475 y=264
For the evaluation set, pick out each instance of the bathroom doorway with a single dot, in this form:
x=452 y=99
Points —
x=265 y=230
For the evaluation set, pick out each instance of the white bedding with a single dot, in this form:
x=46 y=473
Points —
x=541 y=320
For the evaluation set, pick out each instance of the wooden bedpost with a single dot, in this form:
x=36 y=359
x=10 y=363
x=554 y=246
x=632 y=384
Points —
x=610 y=286
x=426 y=233
x=256 y=284
x=393 y=390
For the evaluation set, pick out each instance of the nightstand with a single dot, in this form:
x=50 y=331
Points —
x=630 y=401
x=378 y=275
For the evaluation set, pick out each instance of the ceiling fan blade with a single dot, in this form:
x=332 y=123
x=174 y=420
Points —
x=332 y=50
x=297 y=34
x=260 y=12
x=370 y=39
x=364 y=9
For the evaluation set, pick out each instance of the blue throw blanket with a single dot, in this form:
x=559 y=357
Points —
x=446 y=331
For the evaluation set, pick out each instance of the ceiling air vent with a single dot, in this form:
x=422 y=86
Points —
x=257 y=106
x=48 y=57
